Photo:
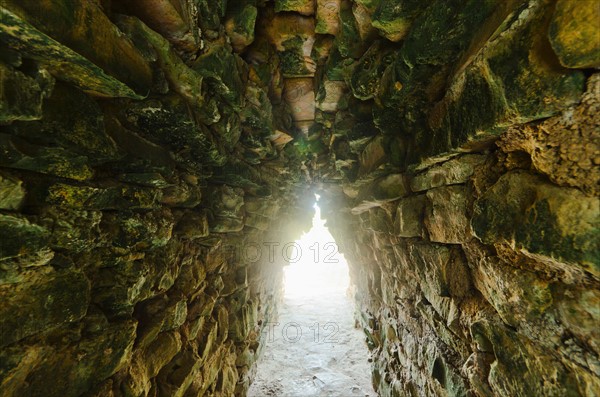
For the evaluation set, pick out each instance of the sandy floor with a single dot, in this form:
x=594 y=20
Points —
x=313 y=348
x=332 y=363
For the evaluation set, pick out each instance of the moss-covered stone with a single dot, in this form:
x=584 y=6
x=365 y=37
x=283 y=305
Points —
x=23 y=242
x=574 y=33
x=240 y=27
x=22 y=95
x=170 y=124
x=20 y=154
x=520 y=63
x=85 y=135
x=210 y=13
x=68 y=22
x=12 y=192
x=61 y=61
x=348 y=41
x=394 y=18
x=56 y=299
x=328 y=17
x=540 y=219
x=230 y=85
x=75 y=365
x=181 y=78
x=293 y=59
x=93 y=198
x=366 y=73
x=304 y=7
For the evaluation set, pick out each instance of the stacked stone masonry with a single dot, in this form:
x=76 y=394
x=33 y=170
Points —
x=153 y=152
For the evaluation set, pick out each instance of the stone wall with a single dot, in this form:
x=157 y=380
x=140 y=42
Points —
x=143 y=176
x=152 y=151
x=464 y=140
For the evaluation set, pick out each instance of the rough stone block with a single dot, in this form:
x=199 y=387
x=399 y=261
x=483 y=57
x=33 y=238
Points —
x=61 y=61
x=330 y=95
x=328 y=17
x=24 y=242
x=365 y=79
x=228 y=210
x=22 y=95
x=394 y=18
x=240 y=27
x=55 y=299
x=373 y=155
x=446 y=217
x=537 y=217
x=452 y=172
x=300 y=96
x=12 y=192
x=409 y=216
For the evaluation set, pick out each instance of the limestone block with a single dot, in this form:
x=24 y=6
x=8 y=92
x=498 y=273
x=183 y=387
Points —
x=523 y=210
x=101 y=42
x=296 y=58
x=174 y=315
x=230 y=86
x=349 y=42
x=446 y=217
x=210 y=13
x=409 y=216
x=574 y=33
x=578 y=313
x=20 y=154
x=148 y=362
x=499 y=87
x=72 y=230
x=281 y=27
x=300 y=96
x=182 y=195
x=182 y=79
x=170 y=126
x=518 y=358
x=328 y=17
x=91 y=198
x=452 y=172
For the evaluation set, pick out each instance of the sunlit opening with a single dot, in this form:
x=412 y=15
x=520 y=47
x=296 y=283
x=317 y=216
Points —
x=317 y=267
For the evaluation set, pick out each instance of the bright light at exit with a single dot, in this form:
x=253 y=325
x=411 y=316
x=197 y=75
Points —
x=320 y=268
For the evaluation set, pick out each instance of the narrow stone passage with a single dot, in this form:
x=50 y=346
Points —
x=313 y=348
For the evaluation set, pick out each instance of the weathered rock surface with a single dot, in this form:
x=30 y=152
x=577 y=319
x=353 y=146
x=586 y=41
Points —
x=153 y=152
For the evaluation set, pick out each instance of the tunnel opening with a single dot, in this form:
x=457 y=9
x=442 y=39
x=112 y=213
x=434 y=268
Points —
x=313 y=347
x=316 y=268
